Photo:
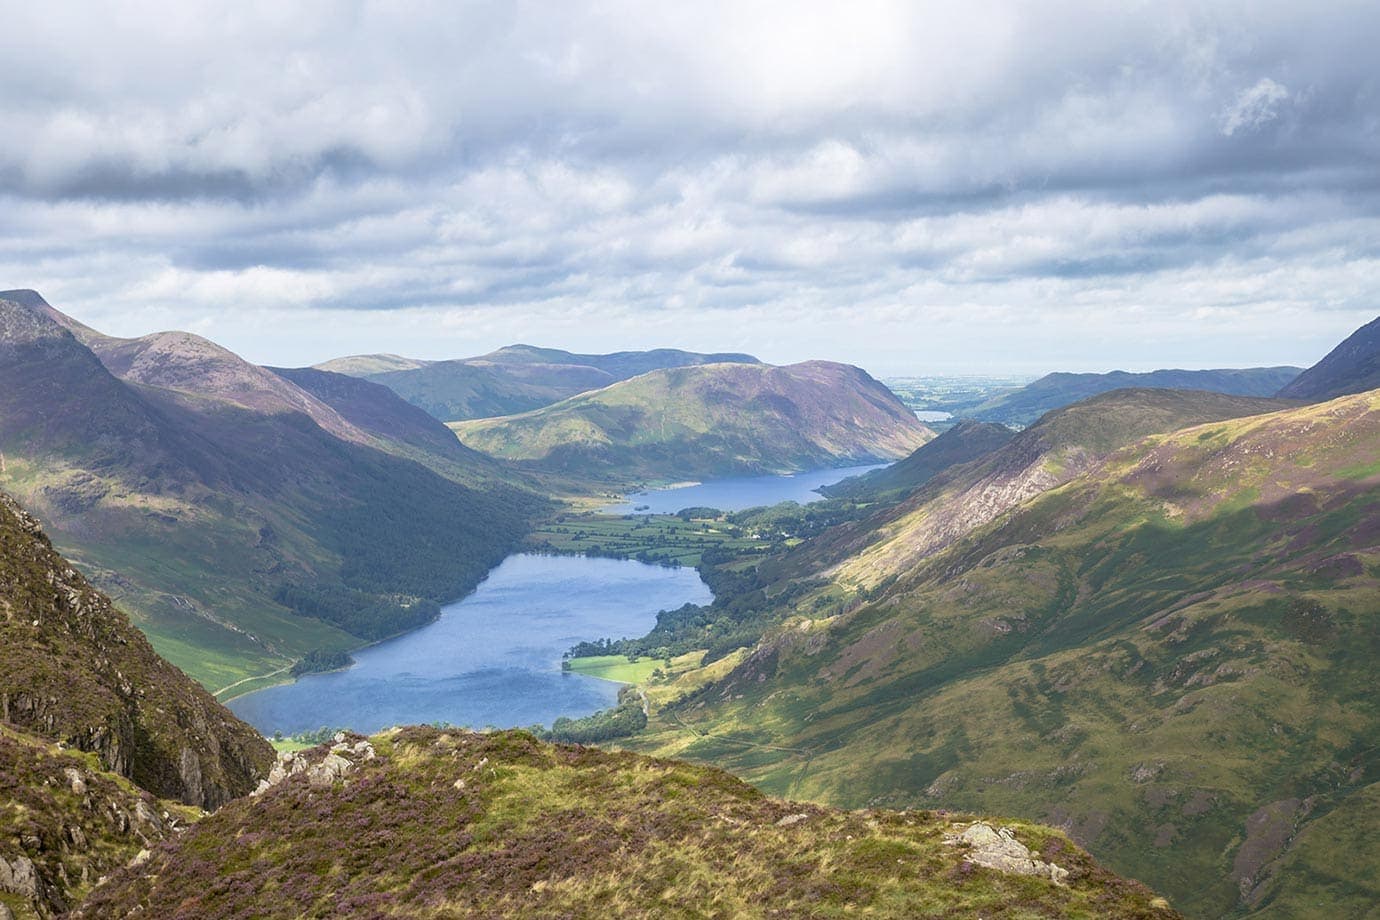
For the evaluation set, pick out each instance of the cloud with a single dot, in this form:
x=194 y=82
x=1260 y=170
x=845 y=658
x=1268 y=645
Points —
x=686 y=173
x=1255 y=107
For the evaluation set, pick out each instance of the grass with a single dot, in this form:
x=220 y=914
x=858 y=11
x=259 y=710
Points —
x=1072 y=660
x=649 y=537
x=619 y=668
x=458 y=824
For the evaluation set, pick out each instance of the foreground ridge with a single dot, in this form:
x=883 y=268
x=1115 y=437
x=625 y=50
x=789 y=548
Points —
x=422 y=822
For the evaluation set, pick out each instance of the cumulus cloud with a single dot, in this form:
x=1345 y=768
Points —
x=853 y=180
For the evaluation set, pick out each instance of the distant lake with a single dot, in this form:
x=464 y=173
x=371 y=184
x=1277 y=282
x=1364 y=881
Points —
x=932 y=415
x=493 y=658
x=738 y=493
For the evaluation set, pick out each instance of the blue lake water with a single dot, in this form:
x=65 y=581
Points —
x=493 y=658
x=738 y=493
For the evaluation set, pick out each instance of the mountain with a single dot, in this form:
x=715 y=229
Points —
x=1170 y=655
x=364 y=365
x=514 y=379
x=418 y=822
x=620 y=364
x=706 y=421
x=968 y=440
x=402 y=428
x=241 y=518
x=1061 y=446
x=1054 y=391
x=1351 y=367
x=76 y=671
x=473 y=388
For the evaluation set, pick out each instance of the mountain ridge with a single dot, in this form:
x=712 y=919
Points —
x=708 y=420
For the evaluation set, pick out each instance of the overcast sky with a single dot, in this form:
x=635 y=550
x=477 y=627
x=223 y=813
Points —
x=912 y=187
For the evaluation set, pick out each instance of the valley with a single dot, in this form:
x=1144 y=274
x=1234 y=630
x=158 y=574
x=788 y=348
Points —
x=777 y=571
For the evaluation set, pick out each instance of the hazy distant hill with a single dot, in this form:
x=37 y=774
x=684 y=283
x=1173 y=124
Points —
x=968 y=440
x=1351 y=367
x=1167 y=649
x=1053 y=391
x=417 y=822
x=707 y=421
x=243 y=520
x=513 y=379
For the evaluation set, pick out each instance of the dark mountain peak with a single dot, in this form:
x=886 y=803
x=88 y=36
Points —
x=1351 y=367
x=21 y=324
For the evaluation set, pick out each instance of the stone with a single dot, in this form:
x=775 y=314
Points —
x=19 y=877
x=75 y=780
x=999 y=849
x=330 y=769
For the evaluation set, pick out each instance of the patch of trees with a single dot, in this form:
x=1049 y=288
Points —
x=359 y=613
x=627 y=718
x=318 y=660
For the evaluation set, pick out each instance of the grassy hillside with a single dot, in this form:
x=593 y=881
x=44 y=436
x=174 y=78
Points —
x=707 y=421
x=1351 y=367
x=1171 y=656
x=241 y=519
x=966 y=441
x=476 y=388
x=1054 y=391
x=421 y=823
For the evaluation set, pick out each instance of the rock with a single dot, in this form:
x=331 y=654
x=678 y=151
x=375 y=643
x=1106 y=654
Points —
x=1000 y=850
x=19 y=877
x=6 y=913
x=75 y=781
x=140 y=858
x=330 y=769
x=792 y=819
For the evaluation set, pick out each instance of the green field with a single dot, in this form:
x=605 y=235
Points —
x=619 y=668
x=649 y=537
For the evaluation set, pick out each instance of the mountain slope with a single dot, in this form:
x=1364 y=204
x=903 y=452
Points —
x=1351 y=367
x=966 y=441
x=1063 y=445
x=76 y=671
x=517 y=378
x=401 y=427
x=420 y=823
x=206 y=496
x=1171 y=656
x=706 y=421
x=67 y=824
x=475 y=388
x=1053 y=391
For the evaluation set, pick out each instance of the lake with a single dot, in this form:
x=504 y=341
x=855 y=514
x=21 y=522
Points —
x=737 y=493
x=493 y=658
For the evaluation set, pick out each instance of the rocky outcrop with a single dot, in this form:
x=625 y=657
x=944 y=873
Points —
x=998 y=848
x=76 y=671
x=64 y=826
x=322 y=767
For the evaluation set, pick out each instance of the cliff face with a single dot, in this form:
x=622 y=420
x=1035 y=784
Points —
x=76 y=671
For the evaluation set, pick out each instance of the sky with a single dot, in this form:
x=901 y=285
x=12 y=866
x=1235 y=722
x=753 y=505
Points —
x=912 y=187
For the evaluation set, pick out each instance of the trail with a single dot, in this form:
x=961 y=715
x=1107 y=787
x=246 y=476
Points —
x=245 y=680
